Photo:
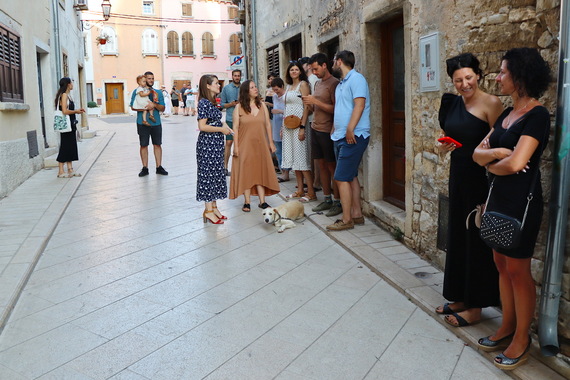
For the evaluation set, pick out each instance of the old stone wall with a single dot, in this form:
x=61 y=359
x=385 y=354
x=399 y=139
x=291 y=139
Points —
x=486 y=28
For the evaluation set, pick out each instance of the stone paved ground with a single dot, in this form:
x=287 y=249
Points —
x=133 y=285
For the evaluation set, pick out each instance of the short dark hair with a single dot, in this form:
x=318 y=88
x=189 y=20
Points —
x=530 y=72
x=236 y=71
x=148 y=73
x=272 y=75
x=347 y=58
x=320 y=58
x=461 y=61
x=303 y=60
x=277 y=82
x=303 y=75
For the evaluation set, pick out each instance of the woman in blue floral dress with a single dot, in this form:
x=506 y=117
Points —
x=211 y=184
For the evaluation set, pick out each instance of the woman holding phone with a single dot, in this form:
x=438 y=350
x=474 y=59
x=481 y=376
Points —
x=470 y=278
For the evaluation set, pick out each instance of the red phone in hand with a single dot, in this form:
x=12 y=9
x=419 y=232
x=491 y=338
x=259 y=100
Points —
x=449 y=140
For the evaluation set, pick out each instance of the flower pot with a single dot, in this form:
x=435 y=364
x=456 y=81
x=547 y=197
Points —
x=102 y=41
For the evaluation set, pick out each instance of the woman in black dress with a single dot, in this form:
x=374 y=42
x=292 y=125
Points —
x=212 y=184
x=471 y=280
x=511 y=153
x=68 y=146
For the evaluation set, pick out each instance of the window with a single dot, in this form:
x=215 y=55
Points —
x=150 y=42
x=186 y=9
x=235 y=45
x=273 y=59
x=172 y=43
x=232 y=12
x=148 y=7
x=11 y=88
x=65 y=63
x=187 y=43
x=111 y=46
x=207 y=44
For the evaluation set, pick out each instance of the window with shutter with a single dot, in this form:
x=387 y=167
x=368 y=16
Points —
x=187 y=43
x=235 y=45
x=273 y=59
x=11 y=88
x=232 y=12
x=172 y=43
x=207 y=44
x=150 y=42
x=186 y=9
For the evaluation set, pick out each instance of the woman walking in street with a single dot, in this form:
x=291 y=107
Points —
x=211 y=185
x=471 y=279
x=252 y=167
x=68 y=146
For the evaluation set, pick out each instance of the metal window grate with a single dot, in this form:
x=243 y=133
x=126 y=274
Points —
x=33 y=149
x=273 y=59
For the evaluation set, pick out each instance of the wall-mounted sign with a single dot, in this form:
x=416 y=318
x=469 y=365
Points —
x=429 y=62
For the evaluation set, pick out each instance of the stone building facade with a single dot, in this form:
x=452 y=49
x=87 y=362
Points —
x=404 y=179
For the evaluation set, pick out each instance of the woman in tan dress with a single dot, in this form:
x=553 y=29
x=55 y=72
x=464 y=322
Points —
x=252 y=167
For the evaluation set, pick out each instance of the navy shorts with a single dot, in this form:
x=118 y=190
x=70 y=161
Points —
x=146 y=132
x=322 y=146
x=231 y=125
x=348 y=157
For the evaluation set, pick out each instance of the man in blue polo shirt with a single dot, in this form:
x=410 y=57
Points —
x=154 y=131
x=351 y=133
x=229 y=100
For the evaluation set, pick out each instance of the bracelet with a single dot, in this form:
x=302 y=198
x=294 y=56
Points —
x=301 y=127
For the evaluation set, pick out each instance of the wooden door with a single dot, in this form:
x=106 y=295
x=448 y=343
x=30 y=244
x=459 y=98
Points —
x=393 y=107
x=114 y=98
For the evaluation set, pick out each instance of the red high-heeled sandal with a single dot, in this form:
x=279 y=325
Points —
x=222 y=217
x=206 y=219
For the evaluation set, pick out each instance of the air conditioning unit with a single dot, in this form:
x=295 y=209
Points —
x=80 y=5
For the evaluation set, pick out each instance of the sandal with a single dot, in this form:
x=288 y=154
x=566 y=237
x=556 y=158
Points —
x=246 y=207
x=445 y=309
x=296 y=194
x=461 y=322
x=74 y=174
x=263 y=205
x=62 y=175
x=279 y=179
x=307 y=198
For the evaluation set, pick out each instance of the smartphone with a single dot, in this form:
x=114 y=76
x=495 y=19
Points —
x=449 y=140
x=300 y=96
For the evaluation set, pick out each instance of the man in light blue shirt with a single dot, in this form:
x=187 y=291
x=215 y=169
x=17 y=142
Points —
x=154 y=130
x=351 y=133
x=229 y=100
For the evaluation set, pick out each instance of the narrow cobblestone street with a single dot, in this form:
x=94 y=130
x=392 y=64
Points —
x=133 y=285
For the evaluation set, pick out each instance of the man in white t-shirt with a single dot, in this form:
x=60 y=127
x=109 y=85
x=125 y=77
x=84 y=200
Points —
x=191 y=99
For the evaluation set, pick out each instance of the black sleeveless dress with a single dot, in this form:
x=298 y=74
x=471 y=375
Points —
x=68 y=146
x=470 y=273
x=509 y=195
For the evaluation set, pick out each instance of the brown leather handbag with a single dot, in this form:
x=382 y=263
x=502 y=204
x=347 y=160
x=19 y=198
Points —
x=292 y=122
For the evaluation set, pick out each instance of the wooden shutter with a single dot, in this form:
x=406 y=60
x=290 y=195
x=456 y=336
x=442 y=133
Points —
x=11 y=88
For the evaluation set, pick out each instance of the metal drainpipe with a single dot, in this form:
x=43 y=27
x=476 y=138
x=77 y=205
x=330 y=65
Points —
x=254 y=41
x=558 y=208
x=56 y=44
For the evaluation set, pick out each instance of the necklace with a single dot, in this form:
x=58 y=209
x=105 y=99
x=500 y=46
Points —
x=515 y=111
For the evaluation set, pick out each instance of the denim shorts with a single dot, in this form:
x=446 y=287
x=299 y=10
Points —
x=348 y=157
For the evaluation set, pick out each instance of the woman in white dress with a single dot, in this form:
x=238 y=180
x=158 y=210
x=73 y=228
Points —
x=167 y=102
x=296 y=143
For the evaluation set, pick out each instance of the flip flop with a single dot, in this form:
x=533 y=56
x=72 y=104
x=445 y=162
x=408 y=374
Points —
x=461 y=322
x=447 y=310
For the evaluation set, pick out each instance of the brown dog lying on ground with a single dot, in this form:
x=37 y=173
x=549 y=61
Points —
x=283 y=215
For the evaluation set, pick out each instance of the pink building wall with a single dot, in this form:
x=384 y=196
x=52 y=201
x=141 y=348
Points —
x=205 y=18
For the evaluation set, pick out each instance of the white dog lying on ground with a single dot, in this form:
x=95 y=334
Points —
x=283 y=215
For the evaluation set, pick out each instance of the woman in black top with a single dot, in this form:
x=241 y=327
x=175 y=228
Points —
x=68 y=145
x=511 y=152
x=471 y=280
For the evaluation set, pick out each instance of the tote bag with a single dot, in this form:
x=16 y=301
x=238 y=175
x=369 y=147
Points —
x=61 y=122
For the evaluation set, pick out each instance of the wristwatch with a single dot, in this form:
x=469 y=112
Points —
x=301 y=127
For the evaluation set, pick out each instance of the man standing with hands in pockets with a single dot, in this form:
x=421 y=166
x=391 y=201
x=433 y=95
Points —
x=229 y=100
x=351 y=134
